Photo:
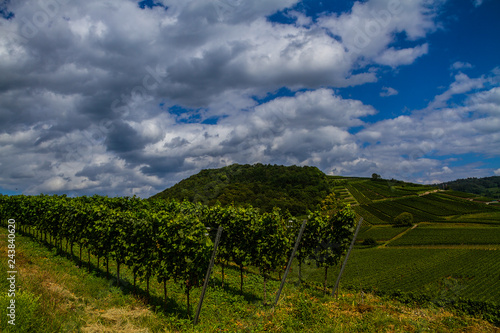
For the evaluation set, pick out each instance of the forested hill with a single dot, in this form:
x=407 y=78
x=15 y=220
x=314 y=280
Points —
x=264 y=186
x=488 y=186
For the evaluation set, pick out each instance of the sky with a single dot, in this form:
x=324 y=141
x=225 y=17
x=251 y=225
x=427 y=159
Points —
x=127 y=97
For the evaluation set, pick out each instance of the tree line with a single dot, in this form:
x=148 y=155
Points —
x=487 y=186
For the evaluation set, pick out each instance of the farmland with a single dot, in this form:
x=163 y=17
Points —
x=449 y=236
x=474 y=274
x=380 y=233
x=451 y=252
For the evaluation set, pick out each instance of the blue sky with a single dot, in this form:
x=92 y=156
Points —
x=129 y=97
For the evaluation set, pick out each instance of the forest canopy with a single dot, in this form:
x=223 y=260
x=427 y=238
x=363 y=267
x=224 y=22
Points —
x=291 y=188
x=488 y=186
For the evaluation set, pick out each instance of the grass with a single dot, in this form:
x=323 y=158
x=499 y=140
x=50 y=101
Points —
x=59 y=296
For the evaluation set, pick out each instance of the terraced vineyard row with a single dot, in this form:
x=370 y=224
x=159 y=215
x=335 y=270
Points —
x=359 y=196
x=367 y=216
x=432 y=207
x=384 y=189
x=343 y=194
x=387 y=210
x=492 y=217
x=367 y=191
x=441 y=273
x=428 y=205
x=380 y=233
x=460 y=206
x=448 y=236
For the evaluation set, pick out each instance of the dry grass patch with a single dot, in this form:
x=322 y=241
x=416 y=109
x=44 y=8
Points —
x=126 y=320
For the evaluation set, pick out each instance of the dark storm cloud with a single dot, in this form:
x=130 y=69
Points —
x=95 y=172
x=123 y=138
x=164 y=166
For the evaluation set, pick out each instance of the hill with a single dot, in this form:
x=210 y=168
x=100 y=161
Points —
x=488 y=187
x=291 y=188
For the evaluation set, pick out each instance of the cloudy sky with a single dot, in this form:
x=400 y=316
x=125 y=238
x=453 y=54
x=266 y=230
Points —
x=124 y=97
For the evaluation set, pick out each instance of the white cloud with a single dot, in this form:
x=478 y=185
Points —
x=461 y=85
x=477 y=3
x=395 y=58
x=370 y=27
x=460 y=65
x=415 y=143
x=497 y=172
x=388 y=91
x=444 y=171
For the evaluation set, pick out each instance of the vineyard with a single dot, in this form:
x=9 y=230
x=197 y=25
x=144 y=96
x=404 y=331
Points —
x=173 y=241
x=380 y=233
x=473 y=274
x=449 y=236
x=381 y=201
x=58 y=296
x=450 y=254
x=160 y=249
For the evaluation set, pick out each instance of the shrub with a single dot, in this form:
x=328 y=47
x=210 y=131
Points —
x=404 y=219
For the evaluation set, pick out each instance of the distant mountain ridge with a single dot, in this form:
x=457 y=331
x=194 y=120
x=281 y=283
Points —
x=290 y=188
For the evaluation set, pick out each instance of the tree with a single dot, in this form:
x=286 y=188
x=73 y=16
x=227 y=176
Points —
x=375 y=176
x=403 y=220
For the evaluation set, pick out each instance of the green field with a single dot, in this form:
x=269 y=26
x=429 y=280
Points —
x=448 y=236
x=440 y=273
x=380 y=201
x=453 y=253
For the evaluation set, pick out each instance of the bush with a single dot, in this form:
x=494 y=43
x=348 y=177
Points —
x=403 y=220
